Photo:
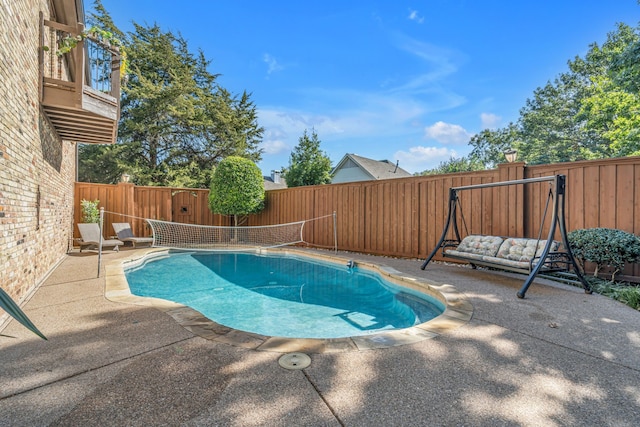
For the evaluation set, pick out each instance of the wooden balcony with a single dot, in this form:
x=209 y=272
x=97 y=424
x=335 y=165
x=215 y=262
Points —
x=79 y=89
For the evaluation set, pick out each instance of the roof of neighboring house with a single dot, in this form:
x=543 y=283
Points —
x=269 y=183
x=377 y=169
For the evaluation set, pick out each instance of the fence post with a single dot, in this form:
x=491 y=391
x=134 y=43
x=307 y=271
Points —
x=125 y=191
x=512 y=200
x=125 y=204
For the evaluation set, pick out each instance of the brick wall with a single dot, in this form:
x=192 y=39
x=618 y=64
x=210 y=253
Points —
x=37 y=169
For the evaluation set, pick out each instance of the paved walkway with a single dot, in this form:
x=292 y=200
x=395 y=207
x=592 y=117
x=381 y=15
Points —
x=557 y=358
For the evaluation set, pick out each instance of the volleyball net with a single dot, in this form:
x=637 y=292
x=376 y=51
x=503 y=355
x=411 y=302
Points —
x=318 y=232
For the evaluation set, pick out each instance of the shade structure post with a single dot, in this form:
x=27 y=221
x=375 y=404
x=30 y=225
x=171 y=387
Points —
x=101 y=222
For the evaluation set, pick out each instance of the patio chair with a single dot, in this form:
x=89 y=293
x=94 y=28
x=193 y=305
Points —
x=124 y=232
x=90 y=237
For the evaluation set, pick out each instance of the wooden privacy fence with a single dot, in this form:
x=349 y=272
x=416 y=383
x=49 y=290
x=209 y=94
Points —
x=405 y=217
x=126 y=202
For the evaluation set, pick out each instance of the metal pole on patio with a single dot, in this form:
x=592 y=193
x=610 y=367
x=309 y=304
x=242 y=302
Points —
x=100 y=240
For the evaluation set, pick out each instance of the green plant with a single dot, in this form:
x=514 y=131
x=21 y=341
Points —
x=308 y=165
x=604 y=247
x=69 y=42
x=237 y=188
x=623 y=292
x=90 y=211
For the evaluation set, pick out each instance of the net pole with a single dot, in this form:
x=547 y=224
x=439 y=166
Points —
x=100 y=240
x=335 y=233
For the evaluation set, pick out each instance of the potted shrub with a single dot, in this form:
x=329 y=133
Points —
x=90 y=211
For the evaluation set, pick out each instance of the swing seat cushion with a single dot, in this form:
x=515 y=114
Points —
x=480 y=245
x=510 y=252
x=523 y=250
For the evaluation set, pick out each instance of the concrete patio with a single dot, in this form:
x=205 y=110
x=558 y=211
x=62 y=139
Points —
x=557 y=358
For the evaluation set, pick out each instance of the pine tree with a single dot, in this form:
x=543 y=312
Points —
x=308 y=165
x=177 y=123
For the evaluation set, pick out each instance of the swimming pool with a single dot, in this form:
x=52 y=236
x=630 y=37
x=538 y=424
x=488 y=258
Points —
x=457 y=313
x=282 y=295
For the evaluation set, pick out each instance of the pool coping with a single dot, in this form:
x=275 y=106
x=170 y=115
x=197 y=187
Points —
x=458 y=311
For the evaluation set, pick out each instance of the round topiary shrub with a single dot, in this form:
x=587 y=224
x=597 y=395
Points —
x=237 y=188
x=605 y=247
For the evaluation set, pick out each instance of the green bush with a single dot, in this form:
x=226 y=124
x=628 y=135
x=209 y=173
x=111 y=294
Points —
x=623 y=292
x=604 y=247
x=90 y=211
x=237 y=188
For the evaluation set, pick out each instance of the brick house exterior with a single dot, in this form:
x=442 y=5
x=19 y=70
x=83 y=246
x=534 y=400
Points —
x=37 y=168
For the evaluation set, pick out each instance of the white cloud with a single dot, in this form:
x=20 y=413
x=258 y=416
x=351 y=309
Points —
x=288 y=126
x=274 y=142
x=349 y=120
x=490 y=121
x=415 y=16
x=419 y=158
x=348 y=113
x=272 y=64
x=274 y=146
x=447 y=133
x=355 y=115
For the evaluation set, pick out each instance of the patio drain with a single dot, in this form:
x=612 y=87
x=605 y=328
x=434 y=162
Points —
x=294 y=361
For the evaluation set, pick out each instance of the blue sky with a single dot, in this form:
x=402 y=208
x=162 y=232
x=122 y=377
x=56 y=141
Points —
x=407 y=81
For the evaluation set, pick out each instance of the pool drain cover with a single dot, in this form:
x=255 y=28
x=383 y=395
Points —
x=294 y=361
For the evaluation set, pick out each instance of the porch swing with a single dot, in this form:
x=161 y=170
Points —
x=546 y=258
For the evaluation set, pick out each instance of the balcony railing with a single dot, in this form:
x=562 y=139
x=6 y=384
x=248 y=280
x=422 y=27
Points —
x=80 y=89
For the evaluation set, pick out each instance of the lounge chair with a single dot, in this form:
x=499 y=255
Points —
x=90 y=237
x=124 y=232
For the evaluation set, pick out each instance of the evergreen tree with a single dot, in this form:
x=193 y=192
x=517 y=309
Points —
x=176 y=122
x=101 y=18
x=100 y=163
x=307 y=164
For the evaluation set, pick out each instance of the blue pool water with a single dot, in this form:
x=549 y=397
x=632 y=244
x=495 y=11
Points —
x=279 y=295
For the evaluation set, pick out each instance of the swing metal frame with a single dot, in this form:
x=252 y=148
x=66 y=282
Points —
x=550 y=260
